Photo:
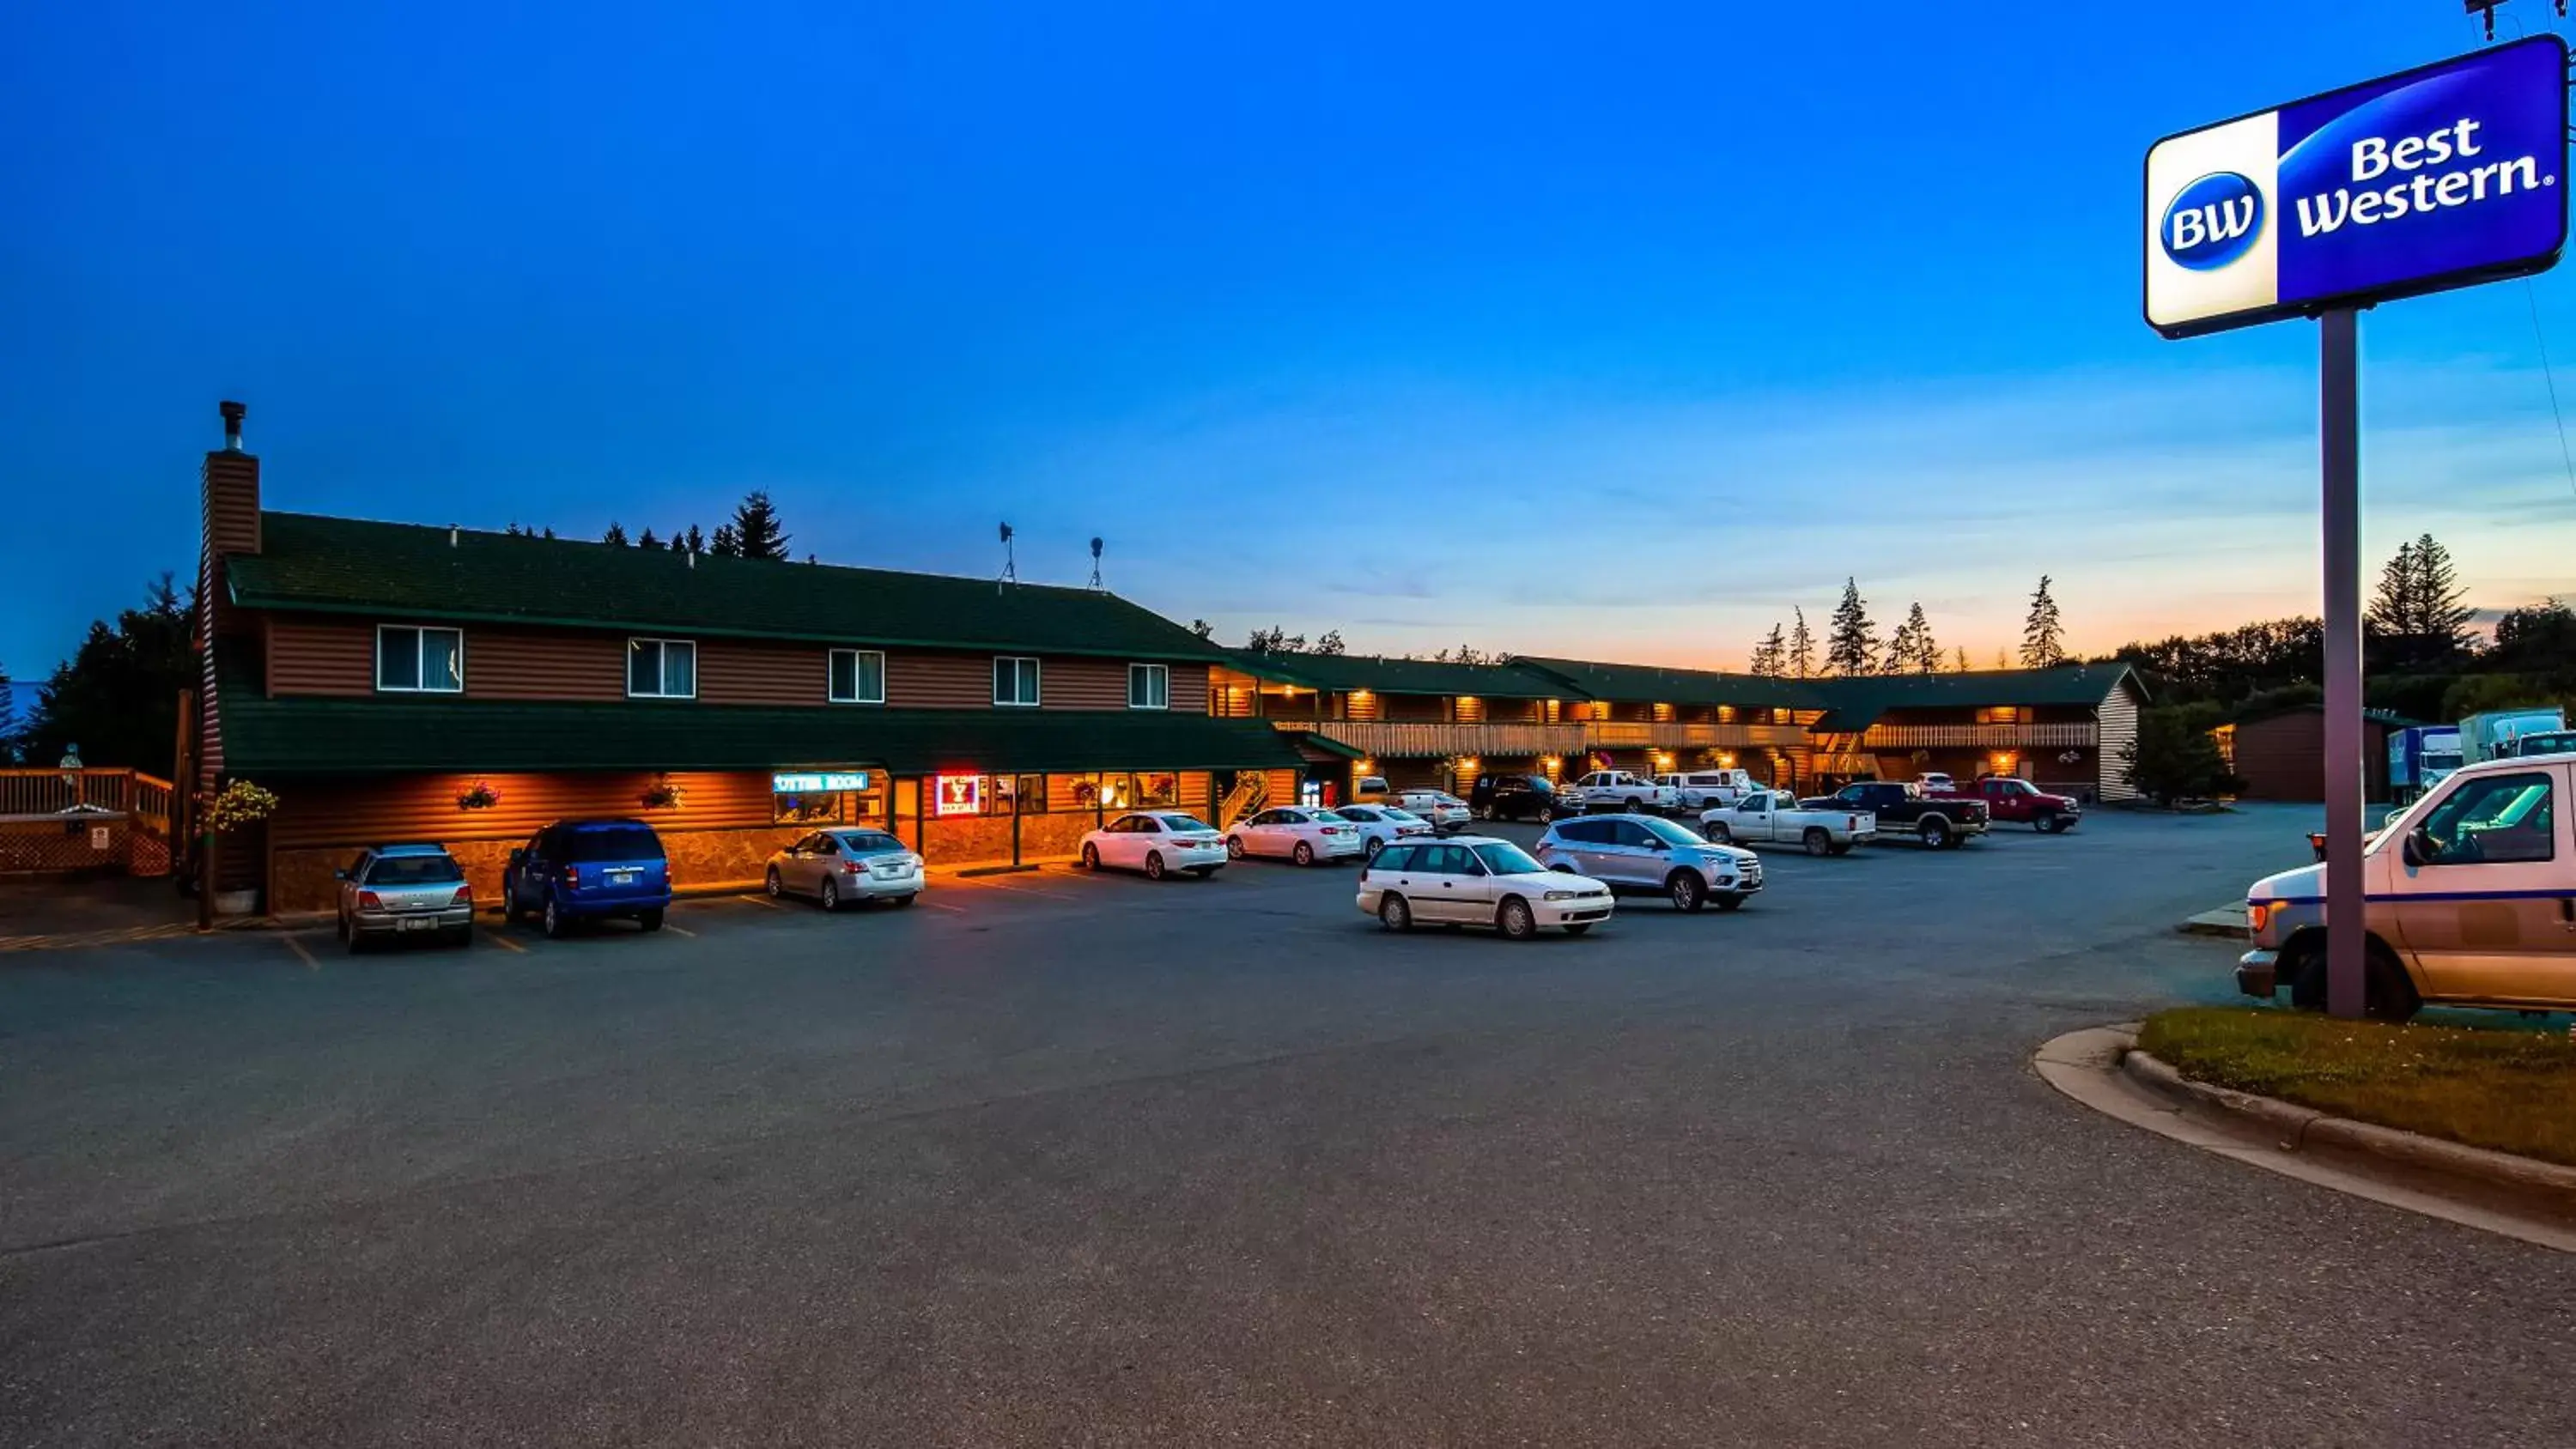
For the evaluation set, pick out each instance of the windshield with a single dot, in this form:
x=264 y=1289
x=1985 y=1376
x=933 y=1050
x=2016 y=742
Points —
x=1185 y=823
x=1667 y=832
x=862 y=841
x=1503 y=858
x=1398 y=816
x=614 y=842
x=401 y=870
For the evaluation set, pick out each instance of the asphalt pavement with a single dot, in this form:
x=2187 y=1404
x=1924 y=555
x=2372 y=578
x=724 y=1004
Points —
x=1059 y=1159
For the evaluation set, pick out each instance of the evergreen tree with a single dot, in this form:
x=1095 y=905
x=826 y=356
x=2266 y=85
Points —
x=1771 y=654
x=726 y=544
x=1203 y=628
x=1924 y=655
x=1849 y=649
x=679 y=540
x=1962 y=662
x=615 y=537
x=1899 y=653
x=1331 y=643
x=647 y=540
x=757 y=532
x=2003 y=657
x=2392 y=607
x=2442 y=617
x=117 y=697
x=8 y=718
x=514 y=530
x=697 y=540
x=1802 y=646
x=549 y=531
x=2043 y=637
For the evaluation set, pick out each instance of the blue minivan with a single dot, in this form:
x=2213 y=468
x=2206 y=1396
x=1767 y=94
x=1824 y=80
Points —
x=586 y=870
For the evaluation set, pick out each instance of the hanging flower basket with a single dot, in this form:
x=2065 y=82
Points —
x=664 y=795
x=481 y=797
x=238 y=805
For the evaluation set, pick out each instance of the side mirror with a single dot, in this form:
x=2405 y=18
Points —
x=1657 y=842
x=2416 y=847
x=339 y=875
x=518 y=858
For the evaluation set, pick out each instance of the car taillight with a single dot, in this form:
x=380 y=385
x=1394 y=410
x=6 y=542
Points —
x=370 y=901
x=849 y=867
x=464 y=896
x=1853 y=823
x=572 y=875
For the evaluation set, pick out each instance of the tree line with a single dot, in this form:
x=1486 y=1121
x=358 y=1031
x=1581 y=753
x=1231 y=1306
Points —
x=1852 y=647
x=755 y=531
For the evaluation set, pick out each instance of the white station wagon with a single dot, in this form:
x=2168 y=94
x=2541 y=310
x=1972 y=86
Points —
x=1477 y=880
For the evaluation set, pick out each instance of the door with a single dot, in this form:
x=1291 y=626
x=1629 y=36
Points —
x=1582 y=842
x=1758 y=819
x=822 y=857
x=1627 y=857
x=1137 y=837
x=535 y=869
x=1443 y=889
x=2490 y=913
x=1265 y=833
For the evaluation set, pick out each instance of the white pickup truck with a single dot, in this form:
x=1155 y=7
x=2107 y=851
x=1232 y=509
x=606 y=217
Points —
x=1774 y=817
x=1699 y=789
x=1618 y=790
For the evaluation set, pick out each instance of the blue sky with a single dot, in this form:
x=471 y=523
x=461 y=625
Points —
x=1606 y=332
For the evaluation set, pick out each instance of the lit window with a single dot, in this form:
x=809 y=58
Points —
x=1015 y=680
x=1149 y=686
x=858 y=676
x=419 y=661
x=661 y=669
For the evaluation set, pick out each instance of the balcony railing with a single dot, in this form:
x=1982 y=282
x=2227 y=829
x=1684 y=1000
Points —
x=1639 y=735
x=2056 y=736
x=1382 y=739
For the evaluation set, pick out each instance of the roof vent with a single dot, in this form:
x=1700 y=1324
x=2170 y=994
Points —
x=233 y=414
x=451 y=535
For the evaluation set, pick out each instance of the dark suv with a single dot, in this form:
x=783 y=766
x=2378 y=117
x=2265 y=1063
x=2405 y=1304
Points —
x=586 y=870
x=1512 y=797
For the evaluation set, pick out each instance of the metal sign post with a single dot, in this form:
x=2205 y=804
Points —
x=2339 y=433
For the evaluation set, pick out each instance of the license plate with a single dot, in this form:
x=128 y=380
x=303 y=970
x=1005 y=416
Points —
x=418 y=925
x=621 y=877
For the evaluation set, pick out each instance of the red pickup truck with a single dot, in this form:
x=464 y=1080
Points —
x=2011 y=798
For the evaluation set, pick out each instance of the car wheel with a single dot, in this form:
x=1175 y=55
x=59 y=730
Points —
x=1394 y=914
x=1480 y=812
x=1718 y=833
x=1234 y=847
x=772 y=884
x=650 y=920
x=829 y=897
x=510 y=914
x=340 y=924
x=1090 y=856
x=2388 y=994
x=1374 y=846
x=555 y=922
x=1819 y=843
x=1688 y=891
x=2045 y=822
x=1635 y=806
x=1515 y=920
x=355 y=940
x=1154 y=865
x=1730 y=903
x=1304 y=854
x=1935 y=834
x=1578 y=928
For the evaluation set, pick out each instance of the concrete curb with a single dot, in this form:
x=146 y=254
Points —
x=2303 y=1127
x=2226 y=921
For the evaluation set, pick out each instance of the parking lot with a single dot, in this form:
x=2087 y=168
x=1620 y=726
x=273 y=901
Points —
x=1058 y=1158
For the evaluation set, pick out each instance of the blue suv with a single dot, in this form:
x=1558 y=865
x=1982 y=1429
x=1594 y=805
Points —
x=586 y=870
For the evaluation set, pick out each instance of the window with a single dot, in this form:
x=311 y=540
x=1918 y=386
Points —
x=857 y=677
x=1396 y=858
x=612 y=842
x=406 y=870
x=2500 y=820
x=1149 y=686
x=1156 y=791
x=1028 y=790
x=818 y=807
x=1015 y=680
x=419 y=661
x=661 y=669
x=1147 y=824
x=2000 y=714
x=1505 y=858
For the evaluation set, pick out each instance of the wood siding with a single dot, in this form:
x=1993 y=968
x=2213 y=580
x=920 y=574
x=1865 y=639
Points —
x=319 y=656
x=752 y=671
x=2117 y=730
x=945 y=681
x=423 y=807
x=1082 y=683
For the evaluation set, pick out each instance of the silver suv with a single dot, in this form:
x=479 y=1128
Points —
x=1647 y=852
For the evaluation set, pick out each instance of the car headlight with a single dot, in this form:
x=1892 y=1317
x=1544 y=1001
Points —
x=1561 y=895
x=2258 y=914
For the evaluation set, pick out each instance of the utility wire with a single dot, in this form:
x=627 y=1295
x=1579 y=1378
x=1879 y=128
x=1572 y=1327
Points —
x=2531 y=294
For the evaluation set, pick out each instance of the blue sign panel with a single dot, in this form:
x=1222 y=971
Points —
x=2440 y=177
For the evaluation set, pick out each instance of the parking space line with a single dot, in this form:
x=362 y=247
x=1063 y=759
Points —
x=297 y=946
x=941 y=906
x=679 y=930
x=504 y=942
x=757 y=900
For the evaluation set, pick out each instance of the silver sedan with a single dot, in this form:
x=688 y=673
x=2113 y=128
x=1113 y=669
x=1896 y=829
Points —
x=849 y=864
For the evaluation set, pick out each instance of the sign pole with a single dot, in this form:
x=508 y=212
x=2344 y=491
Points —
x=2339 y=417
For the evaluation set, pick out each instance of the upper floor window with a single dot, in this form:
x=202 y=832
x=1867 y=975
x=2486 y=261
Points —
x=858 y=677
x=661 y=669
x=1015 y=679
x=2000 y=714
x=419 y=661
x=1149 y=686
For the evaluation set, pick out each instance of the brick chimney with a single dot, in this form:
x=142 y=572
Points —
x=231 y=492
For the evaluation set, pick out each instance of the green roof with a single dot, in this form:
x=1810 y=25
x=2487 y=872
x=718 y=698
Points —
x=404 y=570
x=306 y=736
x=1855 y=704
x=1655 y=684
x=1338 y=673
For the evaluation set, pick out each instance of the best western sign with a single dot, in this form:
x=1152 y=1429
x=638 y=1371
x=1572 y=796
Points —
x=2435 y=178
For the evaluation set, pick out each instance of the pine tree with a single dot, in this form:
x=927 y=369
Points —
x=1849 y=649
x=550 y=531
x=726 y=543
x=1802 y=646
x=1963 y=659
x=679 y=541
x=1771 y=654
x=514 y=530
x=1203 y=628
x=757 y=532
x=1899 y=654
x=1925 y=656
x=647 y=540
x=1331 y=643
x=2392 y=608
x=2441 y=616
x=615 y=537
x=2003 y=657
x=8 y=718
x=2043 y=643
x=697 y=541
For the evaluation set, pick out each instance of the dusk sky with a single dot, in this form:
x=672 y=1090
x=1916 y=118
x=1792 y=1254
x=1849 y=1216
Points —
x=1565 y=331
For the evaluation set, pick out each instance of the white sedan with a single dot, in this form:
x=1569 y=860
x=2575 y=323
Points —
x=1156 y=842
x=1774 y=817
x=1445 y=811
x=1477 y=880
x=1383 y=825
x=1302 y=833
